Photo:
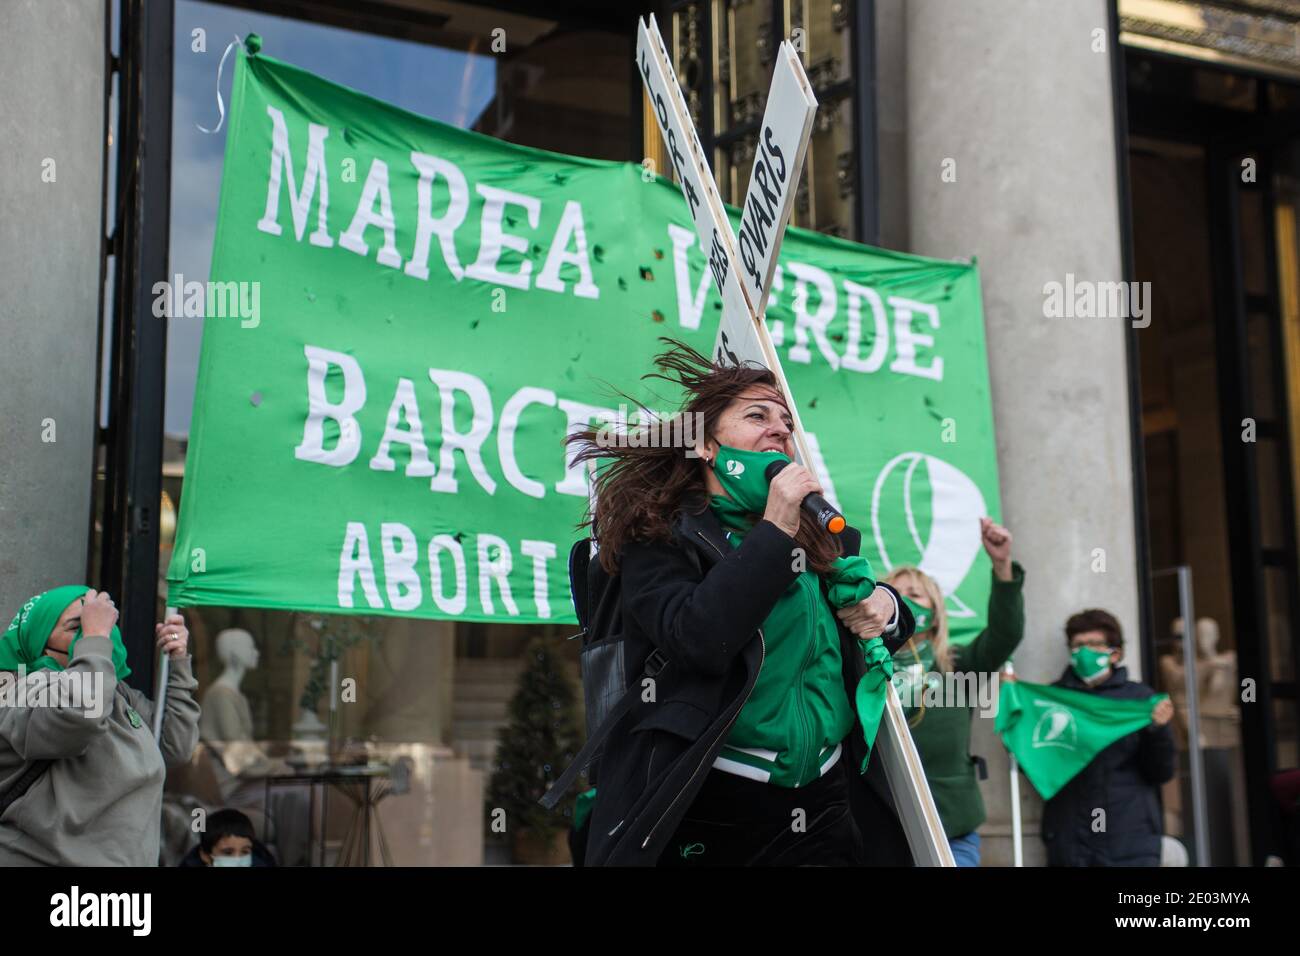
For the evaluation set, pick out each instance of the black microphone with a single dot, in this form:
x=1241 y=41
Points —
x=817 y=507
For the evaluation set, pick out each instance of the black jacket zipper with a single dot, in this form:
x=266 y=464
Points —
x=762 y=654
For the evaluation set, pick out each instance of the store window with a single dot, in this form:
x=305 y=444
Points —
x=349 y=739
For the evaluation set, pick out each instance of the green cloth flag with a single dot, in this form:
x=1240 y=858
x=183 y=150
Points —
x=403 y=320
x=1055 y=732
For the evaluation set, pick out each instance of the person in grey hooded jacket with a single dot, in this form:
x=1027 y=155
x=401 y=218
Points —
x=81 y=776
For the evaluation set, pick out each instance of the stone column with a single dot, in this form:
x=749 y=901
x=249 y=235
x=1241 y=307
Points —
x=51 y=220
x=1013 y=98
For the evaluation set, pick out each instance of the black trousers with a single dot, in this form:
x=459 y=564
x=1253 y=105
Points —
x=736 y=821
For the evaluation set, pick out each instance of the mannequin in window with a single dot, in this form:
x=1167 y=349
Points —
x=1216 y=683
x=226 y=726
x=227 y=721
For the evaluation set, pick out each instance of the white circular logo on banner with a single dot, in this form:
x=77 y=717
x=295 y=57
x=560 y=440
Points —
x=949 y=546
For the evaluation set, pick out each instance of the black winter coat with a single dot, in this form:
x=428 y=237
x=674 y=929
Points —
x=702 y=604
x=1124 y=780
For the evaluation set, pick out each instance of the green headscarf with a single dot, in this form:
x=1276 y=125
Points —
x=25 y=639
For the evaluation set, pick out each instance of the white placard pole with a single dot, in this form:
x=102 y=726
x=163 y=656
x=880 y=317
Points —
x=743 y=273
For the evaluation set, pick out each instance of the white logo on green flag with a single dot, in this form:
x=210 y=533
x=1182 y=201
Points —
x=1055 y=727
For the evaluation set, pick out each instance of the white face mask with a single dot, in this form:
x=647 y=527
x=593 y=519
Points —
x=246 y=860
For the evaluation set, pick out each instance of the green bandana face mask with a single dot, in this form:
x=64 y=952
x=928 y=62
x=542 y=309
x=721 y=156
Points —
x=1090 y=665
x=742 y=475
x=914 y=652
x=24 y=642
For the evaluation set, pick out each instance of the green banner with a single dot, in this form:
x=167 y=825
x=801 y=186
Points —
x=404 y=319
x=1056 y=732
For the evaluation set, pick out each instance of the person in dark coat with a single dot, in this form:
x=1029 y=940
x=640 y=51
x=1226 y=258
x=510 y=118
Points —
x=755 y=628
x=228 y=839
x=1110 y=813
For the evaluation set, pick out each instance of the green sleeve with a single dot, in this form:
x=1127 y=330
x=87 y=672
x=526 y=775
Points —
x=1006 y=626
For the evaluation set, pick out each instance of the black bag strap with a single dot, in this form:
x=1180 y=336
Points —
x=654 y=665
x=579 y=560
x=24 y=783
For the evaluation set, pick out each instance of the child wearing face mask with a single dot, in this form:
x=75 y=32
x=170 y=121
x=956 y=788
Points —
x=1123 y=781
x=228 y=840
x=941 y=728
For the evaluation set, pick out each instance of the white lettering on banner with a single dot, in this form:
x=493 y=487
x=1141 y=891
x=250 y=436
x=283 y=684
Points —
x=495 y=569
x=880 y=337
x=691 y=303
x=299 y=201
x=412 y=436
x=818 y=321
x=907 y=340
x=540 y=552
x=570 y=228
x=400 y=580
x=319 y=408
x=471 y=442
x=402 y=573
x=375 y=189
x=568 y=245
x=510 y=413
x=493 y=239
x=405 y=426
x=444 y=226
x=580 y=415
x=456 y=603
x=354 y=562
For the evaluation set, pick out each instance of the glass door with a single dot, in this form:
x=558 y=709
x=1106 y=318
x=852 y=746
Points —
x=1253 y=203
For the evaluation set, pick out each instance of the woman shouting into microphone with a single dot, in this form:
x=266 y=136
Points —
x=750 y=739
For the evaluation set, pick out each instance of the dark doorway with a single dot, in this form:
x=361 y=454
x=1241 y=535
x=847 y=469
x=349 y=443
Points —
x=1214 y=162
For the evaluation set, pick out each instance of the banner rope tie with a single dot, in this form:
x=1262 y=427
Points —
x=254 y=44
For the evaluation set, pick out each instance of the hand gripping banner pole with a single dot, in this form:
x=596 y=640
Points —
x=160 y=685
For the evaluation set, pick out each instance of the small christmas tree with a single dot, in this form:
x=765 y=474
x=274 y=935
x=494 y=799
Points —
x=535 y=748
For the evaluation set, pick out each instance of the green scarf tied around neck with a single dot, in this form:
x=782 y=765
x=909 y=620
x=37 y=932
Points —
x=23 y=644
x=849 y=581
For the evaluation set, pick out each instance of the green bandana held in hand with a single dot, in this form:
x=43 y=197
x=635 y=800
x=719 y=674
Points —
x=1090 y=665
x=742 y=475
x=849 y=582
x=869 y=699
x=24 y=641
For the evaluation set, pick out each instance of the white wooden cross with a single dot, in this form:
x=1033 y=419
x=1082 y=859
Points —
x=743 y=271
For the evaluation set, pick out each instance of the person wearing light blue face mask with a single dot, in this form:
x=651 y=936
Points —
x=228 y=839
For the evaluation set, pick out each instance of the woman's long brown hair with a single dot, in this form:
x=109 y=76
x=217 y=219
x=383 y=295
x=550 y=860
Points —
x=639 y=491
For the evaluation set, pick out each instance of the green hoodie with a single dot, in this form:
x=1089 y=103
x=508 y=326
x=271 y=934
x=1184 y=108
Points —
x=791 y=727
